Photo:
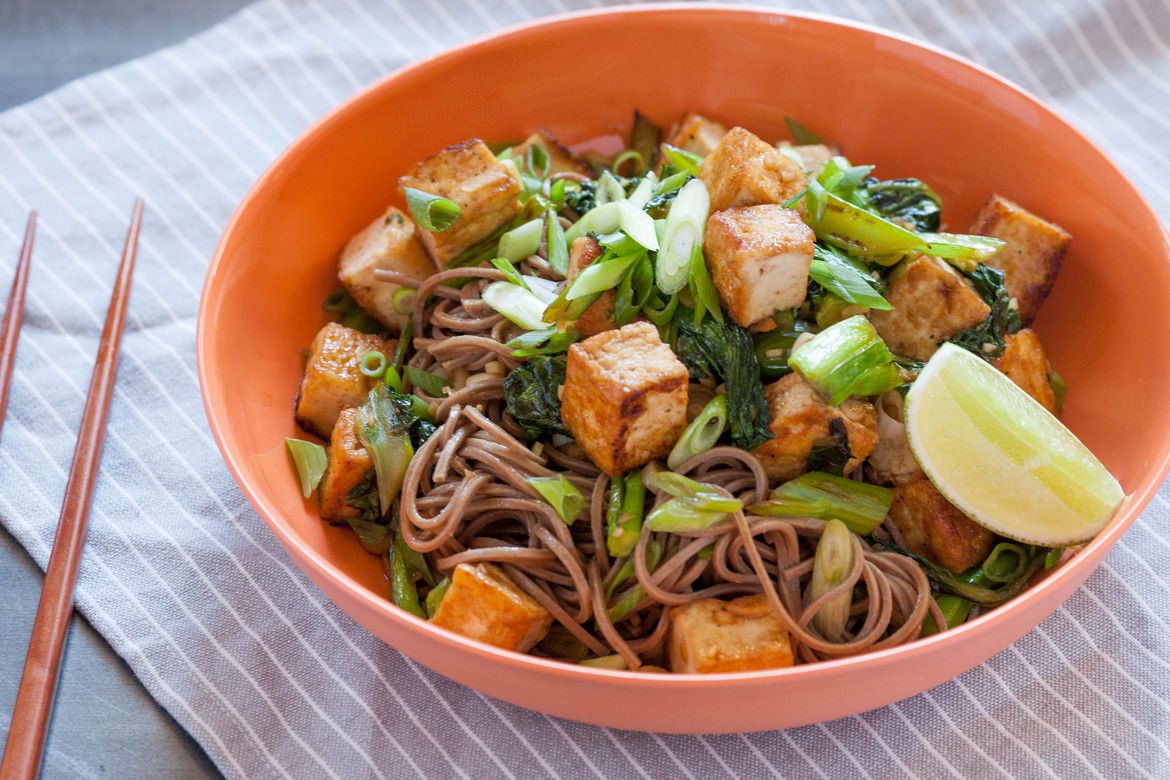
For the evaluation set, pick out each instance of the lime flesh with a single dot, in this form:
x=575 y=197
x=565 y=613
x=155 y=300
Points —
x=1001 y=457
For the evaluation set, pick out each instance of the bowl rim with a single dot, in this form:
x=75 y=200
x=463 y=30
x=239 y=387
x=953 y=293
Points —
x=1084 y=563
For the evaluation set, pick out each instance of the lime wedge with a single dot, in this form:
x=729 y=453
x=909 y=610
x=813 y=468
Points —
x=1001 y=458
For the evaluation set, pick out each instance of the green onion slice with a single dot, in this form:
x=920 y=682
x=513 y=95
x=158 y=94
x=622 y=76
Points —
x=643 y=192
x=432 y=212
x=520 y=242
x=429 y=383
x=310 y=461
x=964 y=251
x=561 y=494
x=845 y=280
x=702 y=433
x=372 y=364
x=609 y=189
x=678 y=516
x=847 y=358
x=831 y=566
x=600 y=276
x=518 y=304
x=403 y=300
x=703 y=497
x=685 y=225
x=558 y=247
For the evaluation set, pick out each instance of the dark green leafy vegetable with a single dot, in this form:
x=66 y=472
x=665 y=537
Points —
x=584 y=198
x=832 y=455
x=530 y=392
x=383 y=427
x=987 y=339
x=352 y=315
x=403 y=579
x=725 y=351
x=906 y=199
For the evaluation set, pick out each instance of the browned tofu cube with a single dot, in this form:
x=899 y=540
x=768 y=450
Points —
x=1032 y=257
x=599 y=316
x=759 y=258
x=390 y=242
x=932 y=302
x=625 y=397
x=744 y=170
x=812 y=156
x=1024 y=362
x=332 y=378
x=560 y=158
x=803 y=420
x=485 y=189
x=712 y=635
x=349 y=464
x=483 y=604
x=697 y=134
x=934 y=528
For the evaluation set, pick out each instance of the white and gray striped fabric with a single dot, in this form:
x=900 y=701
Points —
x=186 y=582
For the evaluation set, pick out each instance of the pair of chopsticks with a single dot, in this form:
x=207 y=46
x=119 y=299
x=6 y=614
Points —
x=38 y=683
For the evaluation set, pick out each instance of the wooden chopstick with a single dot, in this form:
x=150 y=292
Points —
x=38 y=683
x=14 y=314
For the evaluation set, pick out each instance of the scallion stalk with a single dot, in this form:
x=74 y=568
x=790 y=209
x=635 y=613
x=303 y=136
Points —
x=862 y=507
x=432 y=212
x=682 y=160
x=561 y=494
x=609 y=217
x=558 y=247
x=310 y=460
x=403 y=590
x=848 y=358
x=609 y=189
x=685 y=224
x=702 y=433
x=845 y=280
x=677 y=515
x=696 y=494
x=622 y=533
x=431 y=384
x=518 y=243
x=840 y=223
x=644 y=191
x=392 y=379
x=435 y=597
x=955 y=610
x=627 y=604
x=831 y=566
x=600 y=276
x=964 y=251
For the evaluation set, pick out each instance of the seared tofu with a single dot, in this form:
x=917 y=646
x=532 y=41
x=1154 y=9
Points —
x=932 y=302
x=486 y=190
x=697 y=134
x=744 y=170
x=389 y=242
x=332 y=378
x=759 y=258
x=741 y=635
x=803 y=420
x=599 y=316
x=483 y=604
x=625 y=397
x=349 y=464
x=1032 y=257
x=1024 y=362
x=812 y=156
x=934 y=528
x=560 y=158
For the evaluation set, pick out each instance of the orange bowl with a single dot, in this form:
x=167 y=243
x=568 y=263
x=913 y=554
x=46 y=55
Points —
x=909 y=108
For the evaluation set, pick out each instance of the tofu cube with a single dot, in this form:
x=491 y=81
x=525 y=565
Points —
x=1024 y=362
x=932 y=302
x=697 y=134
x=483 y=604
x=599 y=316
x=1032 y=257
x=741 y=635
x=390 y=242
x=349 y=465
x=744 y=170
x=625 y=397
x=803 y=420
x=759 y=258
x=560 y=158
x=812 y=156
x=934 y=528
x=332 y=378
x=485 y=189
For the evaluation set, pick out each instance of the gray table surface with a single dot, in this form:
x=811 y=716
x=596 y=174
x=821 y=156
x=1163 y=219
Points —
x=104 y=724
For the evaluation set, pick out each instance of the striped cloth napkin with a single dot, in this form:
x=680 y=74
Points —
x=188 y=585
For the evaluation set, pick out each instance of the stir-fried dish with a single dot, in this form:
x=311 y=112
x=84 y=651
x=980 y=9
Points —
x=645 y=412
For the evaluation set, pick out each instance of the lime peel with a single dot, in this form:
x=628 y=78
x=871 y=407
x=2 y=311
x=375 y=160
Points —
x=1002 y=458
